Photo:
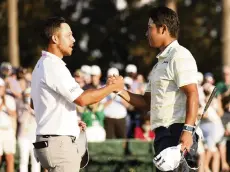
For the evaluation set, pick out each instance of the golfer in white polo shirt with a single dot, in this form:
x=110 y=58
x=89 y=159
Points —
x=171 y=95
x=55 y=95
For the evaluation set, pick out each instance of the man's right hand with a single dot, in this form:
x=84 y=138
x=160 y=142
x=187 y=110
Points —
x=117 y=82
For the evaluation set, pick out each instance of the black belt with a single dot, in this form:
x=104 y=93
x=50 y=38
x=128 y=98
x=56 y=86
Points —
x=48 y=136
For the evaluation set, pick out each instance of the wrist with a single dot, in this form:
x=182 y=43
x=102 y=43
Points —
x=119 y=92
x=189 y=128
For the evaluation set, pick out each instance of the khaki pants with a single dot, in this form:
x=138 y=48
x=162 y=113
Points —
x=61 y=155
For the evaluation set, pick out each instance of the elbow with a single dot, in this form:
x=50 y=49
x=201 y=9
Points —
x=83 y=101
x=80 y=101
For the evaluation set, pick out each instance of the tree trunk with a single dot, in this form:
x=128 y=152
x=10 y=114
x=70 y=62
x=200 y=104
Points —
x=172 y=4
x=13 y=49
x=225 y=32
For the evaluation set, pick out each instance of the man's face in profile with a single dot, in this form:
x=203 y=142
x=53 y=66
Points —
x=65 y=39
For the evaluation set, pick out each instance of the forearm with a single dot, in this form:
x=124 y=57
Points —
x=137 y=100
x=92 y=96
x=191 y=108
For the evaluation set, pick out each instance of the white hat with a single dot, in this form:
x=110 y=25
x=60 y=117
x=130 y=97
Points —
x=2 y=82
x=112 y=71
x=128 y=80
x=86 y=69
x=131 y=68
x=95 y=70
x=168 y=159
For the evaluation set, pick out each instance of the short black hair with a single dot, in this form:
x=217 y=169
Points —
x=51 y=25
x=163 y=15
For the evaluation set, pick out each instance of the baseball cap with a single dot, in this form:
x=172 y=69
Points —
x=95 y=70
x=168 y=159
x=128 y=80
x=208 y=74
x=112 y=71
x=2 y=82
x=131 y=68
x=6 y=66
x=86 y=69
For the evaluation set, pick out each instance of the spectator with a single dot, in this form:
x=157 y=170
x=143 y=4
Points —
x=96 y=76
x=86 y=70
x=213 y=130
x=93 y=116
x=9 y=75
x=144 y=132
x=7 y=134
x=78 y=76
x=115 y=113
x=209 y=78
x=21 y=73
x=224 y=96
x=26 y=134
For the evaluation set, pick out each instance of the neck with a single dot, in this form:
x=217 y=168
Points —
x=55 y=51
x=166 y=43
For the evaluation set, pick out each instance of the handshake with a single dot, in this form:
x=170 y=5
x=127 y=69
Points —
x=117 y=82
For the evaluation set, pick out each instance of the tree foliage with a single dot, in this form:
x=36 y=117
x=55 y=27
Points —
x=116 y=37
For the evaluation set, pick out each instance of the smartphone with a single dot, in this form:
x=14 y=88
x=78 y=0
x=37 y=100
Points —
x=40 y=145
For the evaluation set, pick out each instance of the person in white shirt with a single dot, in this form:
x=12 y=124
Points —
x=115 y=109
x=7 y=133
x=54 y=95
x=171 y=95
x=26 y=134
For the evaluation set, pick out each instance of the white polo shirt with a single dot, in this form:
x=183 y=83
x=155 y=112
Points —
x=176 y=67
x=53 y=91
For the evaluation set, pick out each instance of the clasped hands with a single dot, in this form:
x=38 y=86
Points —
x=117 y=82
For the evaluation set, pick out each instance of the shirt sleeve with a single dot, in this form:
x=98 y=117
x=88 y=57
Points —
x=60 y=80
x=185 y=70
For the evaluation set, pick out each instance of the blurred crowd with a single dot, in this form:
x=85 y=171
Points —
x=215 y=124
x=112 y=118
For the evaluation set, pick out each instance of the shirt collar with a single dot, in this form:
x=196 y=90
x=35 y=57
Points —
x=165 y=53
x=53 y=57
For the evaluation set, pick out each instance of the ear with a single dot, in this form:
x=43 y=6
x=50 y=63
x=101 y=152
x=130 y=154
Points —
x=164 y=28
x=55 y=39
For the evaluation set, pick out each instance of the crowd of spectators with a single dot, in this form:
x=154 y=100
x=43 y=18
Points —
x=112 y=118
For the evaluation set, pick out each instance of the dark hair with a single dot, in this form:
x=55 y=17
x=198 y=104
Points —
x=51 y=25
x=164 y=15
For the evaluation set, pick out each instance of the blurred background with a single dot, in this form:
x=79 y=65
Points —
x=110 y=39
x=112 y=32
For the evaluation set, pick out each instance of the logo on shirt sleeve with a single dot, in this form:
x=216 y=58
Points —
x=73 y=89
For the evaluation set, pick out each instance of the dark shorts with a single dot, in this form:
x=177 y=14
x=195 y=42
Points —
x=167 y=137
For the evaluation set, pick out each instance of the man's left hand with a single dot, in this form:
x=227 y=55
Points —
x=186 y=141
x=82 y=125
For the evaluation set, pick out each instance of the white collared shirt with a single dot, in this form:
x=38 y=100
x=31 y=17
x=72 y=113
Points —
x=176 y=67
x=53 y=91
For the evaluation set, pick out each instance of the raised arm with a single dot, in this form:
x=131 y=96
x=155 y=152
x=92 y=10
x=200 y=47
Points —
x=92 y=96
